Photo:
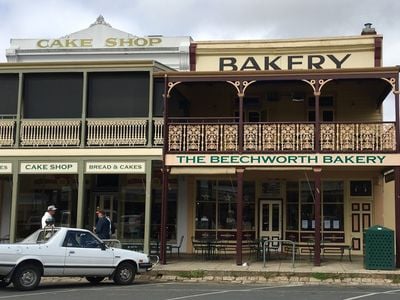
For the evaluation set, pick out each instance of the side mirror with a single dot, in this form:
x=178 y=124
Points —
x=103 y=246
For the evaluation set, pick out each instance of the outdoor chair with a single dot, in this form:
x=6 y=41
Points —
x=177 y=247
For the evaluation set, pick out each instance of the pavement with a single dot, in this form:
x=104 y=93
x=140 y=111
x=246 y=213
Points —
x=332 y=271
x=209 y=291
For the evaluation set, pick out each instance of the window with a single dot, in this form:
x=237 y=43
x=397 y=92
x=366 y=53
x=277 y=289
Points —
x=216 y=205
x=79 y=239
x=300 y=214
x=53 y=95
x=118 y=94
x=361 y=188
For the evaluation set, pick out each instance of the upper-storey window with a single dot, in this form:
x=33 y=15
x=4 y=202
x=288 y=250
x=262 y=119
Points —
x=52 y=95
x=326 y=107
x=8 y=95
x=118 y=94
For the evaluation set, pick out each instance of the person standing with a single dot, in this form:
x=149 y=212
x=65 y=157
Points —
x=103 y=224
x=48 y=216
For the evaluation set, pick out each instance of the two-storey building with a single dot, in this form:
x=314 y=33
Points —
x=284 y=139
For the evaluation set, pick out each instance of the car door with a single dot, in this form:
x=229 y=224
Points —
x=84 y=255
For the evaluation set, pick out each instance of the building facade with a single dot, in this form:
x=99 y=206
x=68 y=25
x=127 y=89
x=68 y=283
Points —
x=285 y=140
x=278 y=139
x=100 y=41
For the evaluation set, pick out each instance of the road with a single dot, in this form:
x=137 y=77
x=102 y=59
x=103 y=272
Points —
x=209 y=291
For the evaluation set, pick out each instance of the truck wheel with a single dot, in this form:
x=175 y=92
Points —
x=26 y=277
x=94 y=279
x=125 y=273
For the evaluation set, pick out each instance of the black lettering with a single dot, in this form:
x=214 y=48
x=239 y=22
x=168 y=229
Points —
x=337 y=62
x=250 y=64
x=291 y=61
x=227 y=62
x=315 y=61
x=271 y=63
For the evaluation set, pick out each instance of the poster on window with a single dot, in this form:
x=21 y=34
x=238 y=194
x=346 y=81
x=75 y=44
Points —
x=327 y=224
x=336 y=224
x=304 y=224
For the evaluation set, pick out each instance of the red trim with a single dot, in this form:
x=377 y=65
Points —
x=378 y=51
x=192 y=56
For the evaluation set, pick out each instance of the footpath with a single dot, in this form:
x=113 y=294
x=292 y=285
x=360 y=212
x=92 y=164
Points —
x=331 y=271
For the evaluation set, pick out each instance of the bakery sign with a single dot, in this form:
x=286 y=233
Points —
x=278 y=160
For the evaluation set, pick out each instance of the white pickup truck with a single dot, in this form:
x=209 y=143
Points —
x=67 y=252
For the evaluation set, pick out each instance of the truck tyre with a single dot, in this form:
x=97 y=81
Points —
x=94 y=279
x=125 y=273
x=26 y=277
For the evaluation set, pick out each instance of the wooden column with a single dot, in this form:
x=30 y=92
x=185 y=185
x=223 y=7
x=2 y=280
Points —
x=317 y=119
x=397 y=174
x=239 y=216
x=241 y=125
x=164 y=197
x=164 y=212
x=317 y=210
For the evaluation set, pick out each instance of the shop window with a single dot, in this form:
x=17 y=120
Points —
x=216 y=206
x=333 y=206
x=5 y=206
x=300 y=202
x=37 y=192
x=156 y=197
x=122 y=197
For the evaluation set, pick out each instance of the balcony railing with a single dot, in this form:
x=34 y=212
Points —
x=281 y=137
x=116 y=132
x=7 y=132
x=158 y=134
x=50 y=133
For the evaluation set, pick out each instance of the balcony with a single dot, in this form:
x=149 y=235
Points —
x=67 y=132
x=7 y=128
x=50 y=133
x=219 y=136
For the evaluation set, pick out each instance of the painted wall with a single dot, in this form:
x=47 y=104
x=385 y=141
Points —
x=328 y=52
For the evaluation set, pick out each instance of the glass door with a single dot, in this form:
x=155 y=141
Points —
x=270 y=226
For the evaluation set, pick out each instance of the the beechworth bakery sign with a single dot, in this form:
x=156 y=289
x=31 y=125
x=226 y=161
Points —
x=283 y=160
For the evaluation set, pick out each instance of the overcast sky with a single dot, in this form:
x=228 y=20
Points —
x=207 y=19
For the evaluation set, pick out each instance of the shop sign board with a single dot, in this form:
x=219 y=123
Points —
x=49 y=167
x=99 y=167
x=287 y=160
x=5 y=168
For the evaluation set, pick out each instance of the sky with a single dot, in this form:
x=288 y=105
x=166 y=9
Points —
x=208 y=20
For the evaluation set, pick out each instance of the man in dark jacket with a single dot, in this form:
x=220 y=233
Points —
x=103 y=225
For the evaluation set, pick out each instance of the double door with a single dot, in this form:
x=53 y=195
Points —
x=270 y=221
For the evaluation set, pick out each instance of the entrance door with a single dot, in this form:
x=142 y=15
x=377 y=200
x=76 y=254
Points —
x=270 y=226
x=107 y=202
x=360 y=221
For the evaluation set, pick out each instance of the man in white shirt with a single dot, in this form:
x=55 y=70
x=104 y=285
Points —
x=49 y=214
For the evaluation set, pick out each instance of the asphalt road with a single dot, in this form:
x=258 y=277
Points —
x=213 y=291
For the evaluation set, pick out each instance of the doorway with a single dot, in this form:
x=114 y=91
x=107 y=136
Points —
x=270 y=220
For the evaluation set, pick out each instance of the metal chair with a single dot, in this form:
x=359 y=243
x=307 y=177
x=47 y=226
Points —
x=178 y=246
